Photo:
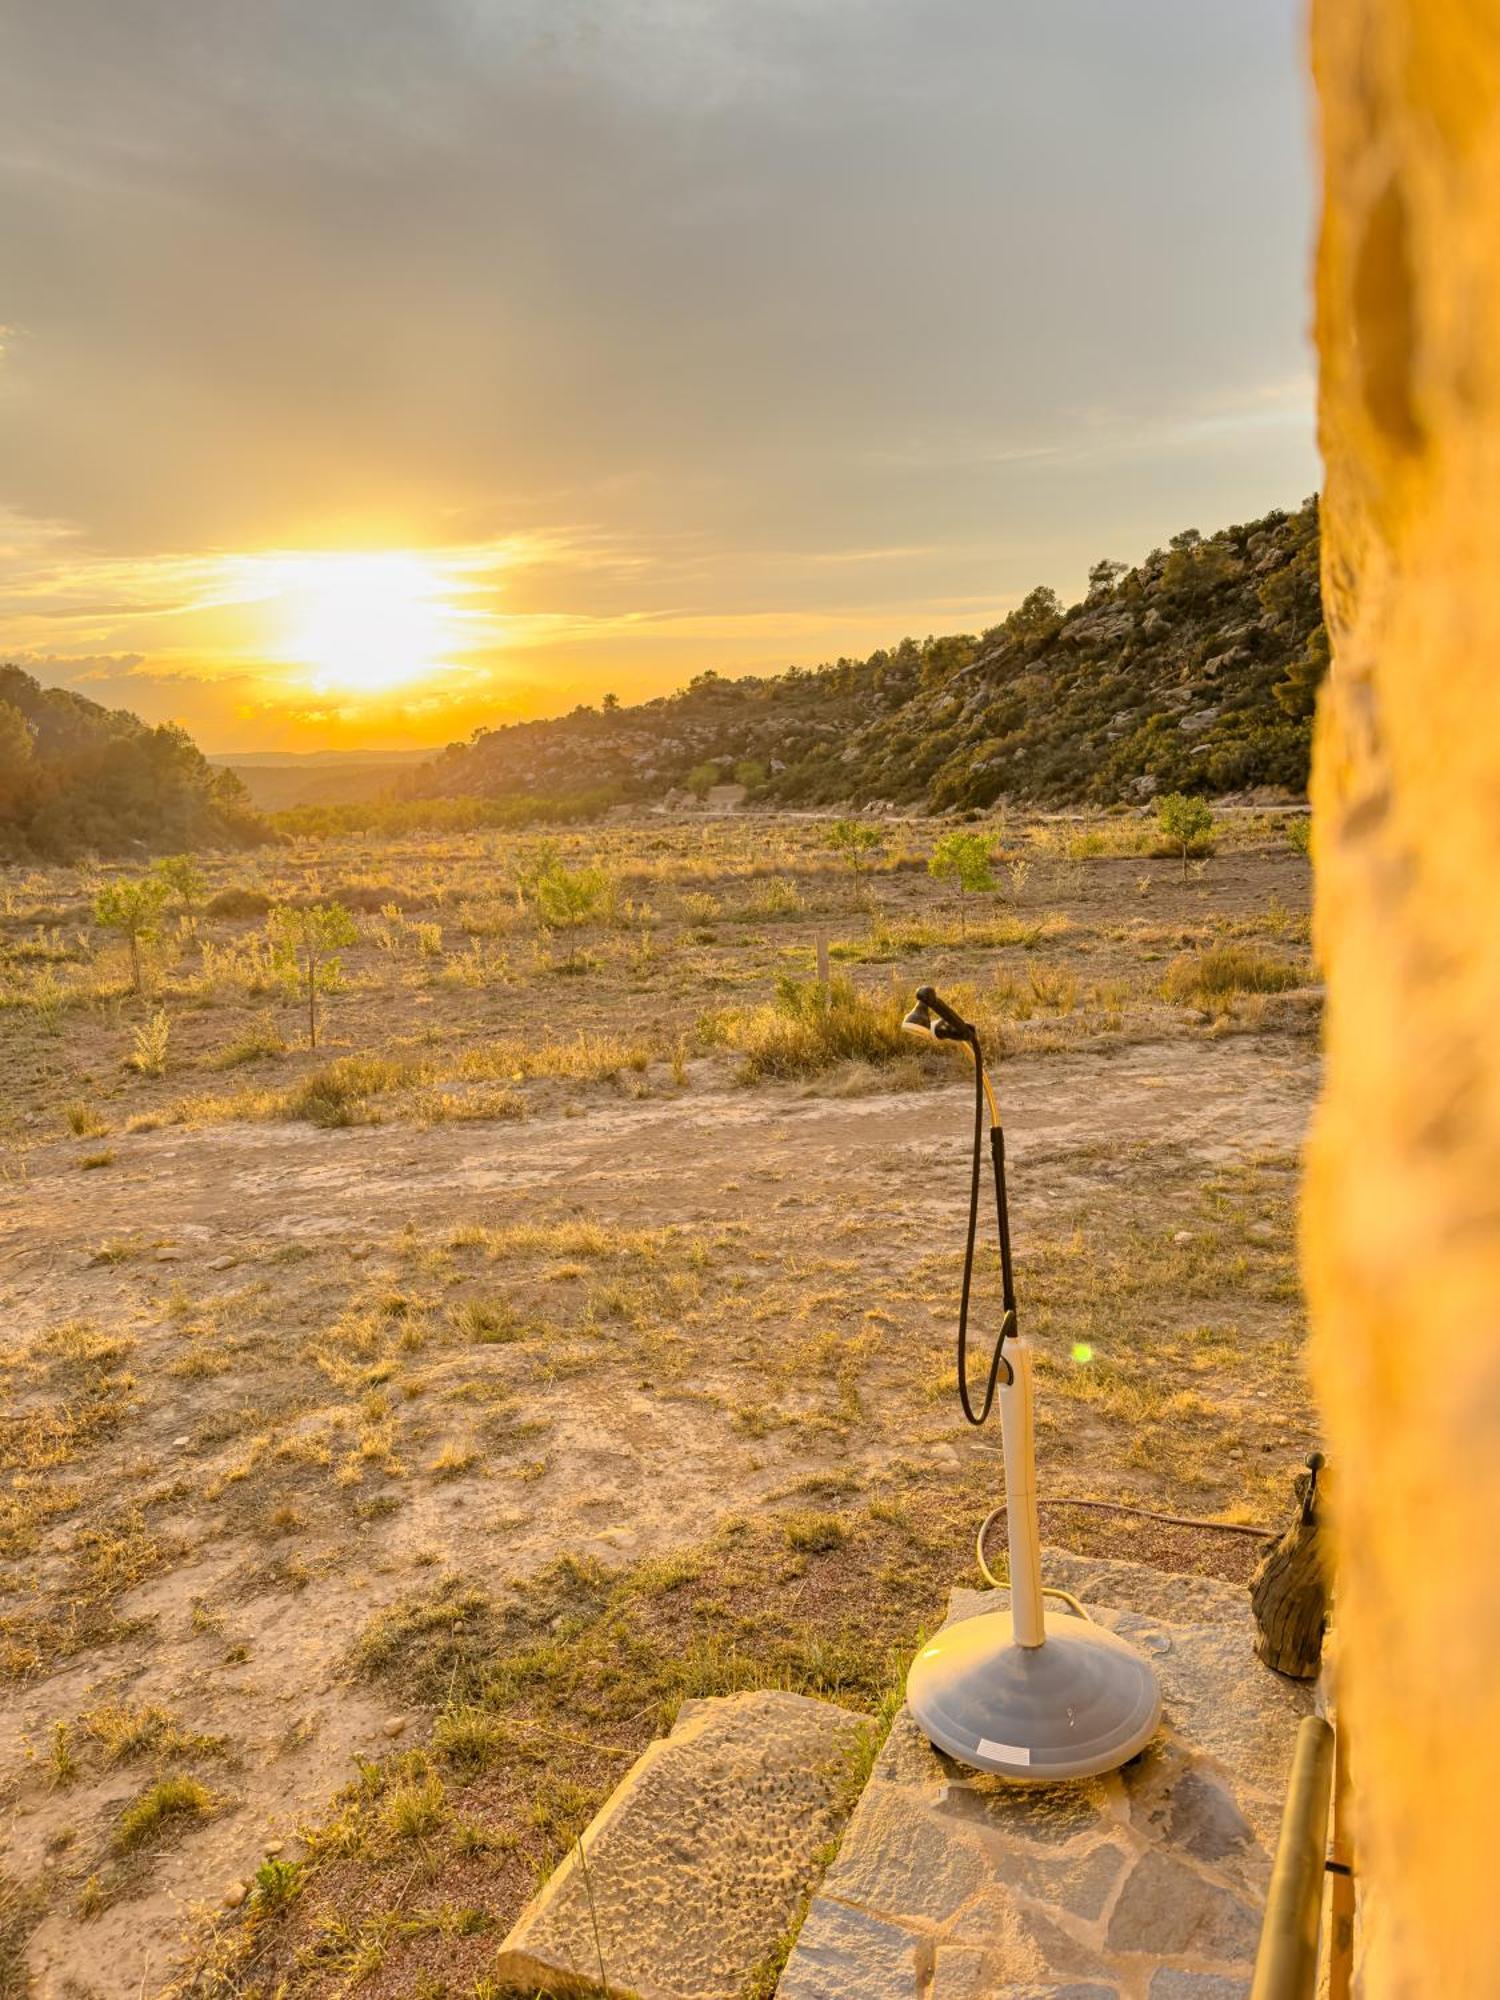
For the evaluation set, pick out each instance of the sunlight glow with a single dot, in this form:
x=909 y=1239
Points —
x=365 y=623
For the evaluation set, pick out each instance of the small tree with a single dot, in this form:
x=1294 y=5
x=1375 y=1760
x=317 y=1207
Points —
x=702 y=779
x=568 y=898
x=310 y=939
x=132 y=909
x=750 y=772
x=854 y=838
x=531 y=865
x=1187 y=821
x=178 y=873
x=964 y=860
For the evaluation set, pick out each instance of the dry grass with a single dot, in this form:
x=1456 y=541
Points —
x=1218 y=973
x=809 y=1028
x=580 y=1343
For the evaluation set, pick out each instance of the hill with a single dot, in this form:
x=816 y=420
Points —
x=1196 y=670
x=278 y=781
x=77 y=778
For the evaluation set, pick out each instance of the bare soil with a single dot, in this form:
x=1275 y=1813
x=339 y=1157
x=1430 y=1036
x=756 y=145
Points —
x=266 y=1380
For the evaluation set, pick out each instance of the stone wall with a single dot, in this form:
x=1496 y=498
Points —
x=1402 y=1243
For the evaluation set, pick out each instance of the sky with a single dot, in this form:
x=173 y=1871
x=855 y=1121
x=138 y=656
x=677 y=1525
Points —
x=373 y=370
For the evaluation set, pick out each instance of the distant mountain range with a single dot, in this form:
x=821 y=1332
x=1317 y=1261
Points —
x=277 y=780
x=1195 y=670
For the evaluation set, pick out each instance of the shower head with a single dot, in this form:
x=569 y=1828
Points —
x=920 y=1020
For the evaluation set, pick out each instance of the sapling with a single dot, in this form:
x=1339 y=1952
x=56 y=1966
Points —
x=310 y=939
x=178 y=873
x=964 y=860
x=132 y=909
x=854 y=838
x=1185 y=820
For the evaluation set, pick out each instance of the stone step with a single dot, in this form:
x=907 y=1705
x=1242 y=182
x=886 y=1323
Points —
x=1156 y=1593
x=1146 y=1884
x=692 y=1872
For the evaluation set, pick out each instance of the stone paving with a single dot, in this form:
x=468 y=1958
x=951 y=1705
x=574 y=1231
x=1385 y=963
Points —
x=696 y=1866
x=1144 y=1885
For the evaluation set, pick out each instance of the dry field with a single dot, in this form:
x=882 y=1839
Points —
x=392 y=1434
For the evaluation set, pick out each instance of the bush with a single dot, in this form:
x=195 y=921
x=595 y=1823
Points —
x=239 y=903
x=306 y=938
x=568 y=898
x=371 y=898
x=853 y=839
x=258 y=1043
x=337 y=1094
x=810 y=1028
x=179 y=874
x=1204 y=977
x=149 y=1045
x=390 y=817
x=965 y=860
x=132 y=909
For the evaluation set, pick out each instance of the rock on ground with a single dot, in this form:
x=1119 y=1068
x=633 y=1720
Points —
x=691 y=1873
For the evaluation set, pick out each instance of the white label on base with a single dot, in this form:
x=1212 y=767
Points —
x=1013 y=1753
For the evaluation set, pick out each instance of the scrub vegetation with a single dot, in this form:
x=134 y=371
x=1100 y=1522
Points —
x=395 y=1431
x=76 y=777
x=1193 y=671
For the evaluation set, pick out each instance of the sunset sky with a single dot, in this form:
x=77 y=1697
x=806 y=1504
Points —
x=370 y=369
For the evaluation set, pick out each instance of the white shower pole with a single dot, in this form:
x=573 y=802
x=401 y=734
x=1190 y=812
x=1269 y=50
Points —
x=1022 y=1533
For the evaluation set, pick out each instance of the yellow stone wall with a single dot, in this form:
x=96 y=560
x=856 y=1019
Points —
x=1402 y=1228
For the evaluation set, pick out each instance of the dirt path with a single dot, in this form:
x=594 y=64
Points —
x=631 y=1469
x=653 y=1161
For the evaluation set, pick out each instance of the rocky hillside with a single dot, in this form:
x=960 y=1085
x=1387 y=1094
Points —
x=1196 y=670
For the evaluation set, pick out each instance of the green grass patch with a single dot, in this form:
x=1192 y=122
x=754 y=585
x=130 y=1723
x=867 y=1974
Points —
x=163 y=1808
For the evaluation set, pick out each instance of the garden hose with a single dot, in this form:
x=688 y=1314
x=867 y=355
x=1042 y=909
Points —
x=1112 y=1507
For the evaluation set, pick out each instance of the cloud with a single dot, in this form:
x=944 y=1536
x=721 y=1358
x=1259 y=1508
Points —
x=693 y=299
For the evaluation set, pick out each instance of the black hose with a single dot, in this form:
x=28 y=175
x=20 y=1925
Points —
x=1253 y=1529
x=1008 y=1323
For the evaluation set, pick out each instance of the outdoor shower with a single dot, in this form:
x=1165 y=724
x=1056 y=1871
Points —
x=1004 y=1691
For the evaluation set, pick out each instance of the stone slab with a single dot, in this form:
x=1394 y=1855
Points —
x=954 y=1885
x=694 y=1869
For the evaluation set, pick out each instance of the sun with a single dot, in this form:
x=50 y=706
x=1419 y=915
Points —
x=365 y=623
